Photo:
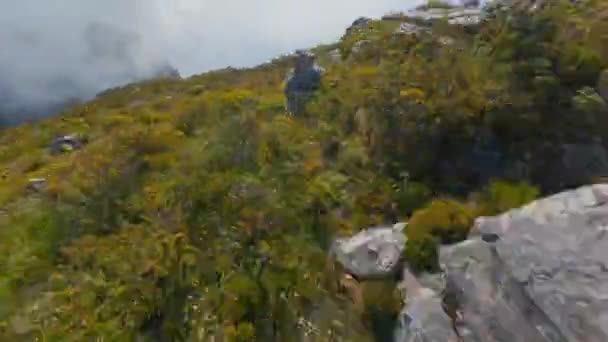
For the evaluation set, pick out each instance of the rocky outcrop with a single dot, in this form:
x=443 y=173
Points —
x=456 y=16
x=359 y=23
x=374 y=252
x=411 y=28
x=537 y=273
x=423 y=319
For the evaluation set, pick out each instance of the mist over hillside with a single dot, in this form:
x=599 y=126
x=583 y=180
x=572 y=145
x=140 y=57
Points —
x=54 y=53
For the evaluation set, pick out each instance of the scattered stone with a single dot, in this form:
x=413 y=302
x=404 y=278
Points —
x=409 y=28
x=37 y=184
x=360 y=45
x=66 y=143
x=371 y=253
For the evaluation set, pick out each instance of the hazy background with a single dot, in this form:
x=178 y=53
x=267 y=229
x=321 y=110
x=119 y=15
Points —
x=51 y=51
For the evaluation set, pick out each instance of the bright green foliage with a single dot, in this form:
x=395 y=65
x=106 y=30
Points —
x=441 y=221
x=197 y=210
x=500 y=196
x=446 y=219
x=421 y=253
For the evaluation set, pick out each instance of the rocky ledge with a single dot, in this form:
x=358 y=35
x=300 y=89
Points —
x=537 y=273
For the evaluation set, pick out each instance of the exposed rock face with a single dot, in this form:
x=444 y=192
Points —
x=464 y=16
x=358 y=46
x=493 y=306
x=410 y=28
x=423 y=318
x=373 y=252
x=556 y=249
x=302 y=81
x=537 y=273
x=359 y=23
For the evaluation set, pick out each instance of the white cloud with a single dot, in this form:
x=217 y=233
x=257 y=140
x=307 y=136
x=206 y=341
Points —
x=43 y=57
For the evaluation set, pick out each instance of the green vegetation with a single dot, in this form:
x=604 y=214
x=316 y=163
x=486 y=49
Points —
x=198 y=210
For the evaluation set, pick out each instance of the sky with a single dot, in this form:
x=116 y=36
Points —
x=54 y=50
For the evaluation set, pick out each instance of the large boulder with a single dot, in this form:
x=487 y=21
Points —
x=492 y=306
x=371 y=253
x=538 y=273
x=423 y=319
x=464 y=16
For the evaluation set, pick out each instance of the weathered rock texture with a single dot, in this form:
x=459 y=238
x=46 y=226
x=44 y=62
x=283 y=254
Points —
x=373 y=252
x=537 y=273
x=423 y=319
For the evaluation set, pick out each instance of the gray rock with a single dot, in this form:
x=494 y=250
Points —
x=66 y=143
x=542 y=275
x=602 y=84
x=373 y=252
x=410 y=28
x=37 y=184
x=360 y=45
x=491 y=305
x=458 y=16
x=423 y=318
x=359 y=23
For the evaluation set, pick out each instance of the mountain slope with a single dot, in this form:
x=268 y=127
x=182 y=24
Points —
x=197 y=209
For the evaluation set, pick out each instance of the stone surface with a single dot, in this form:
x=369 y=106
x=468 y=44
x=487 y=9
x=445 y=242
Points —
x=358 y=46
x=423 y=318
x=371 y=253
x=359 y=23
x=66 y=143
x=491 y=305
x=458 y=16
x=37 y=184
x=537 y=273
x=410 y=28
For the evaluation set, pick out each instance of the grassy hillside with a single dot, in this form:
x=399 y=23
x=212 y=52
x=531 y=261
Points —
x=198 y=209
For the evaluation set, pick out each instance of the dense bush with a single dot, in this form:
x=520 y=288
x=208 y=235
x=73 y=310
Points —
x=500 y=196
x=421 y=253
x=198 y=210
